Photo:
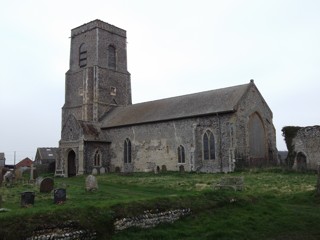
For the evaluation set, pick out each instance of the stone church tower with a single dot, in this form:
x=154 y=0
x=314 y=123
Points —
x=98 y=78
x=96 y=82
x=102 y=131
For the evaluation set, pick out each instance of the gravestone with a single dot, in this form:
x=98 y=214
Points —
x=91 y=183
x=8 y=178
x=39 y=180
x=59 y=196
x=27 y=199
x=94 y=171
x=102 y=170
x=46 y=185
x=18 y=174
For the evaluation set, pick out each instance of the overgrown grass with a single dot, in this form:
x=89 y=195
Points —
x=274 y=205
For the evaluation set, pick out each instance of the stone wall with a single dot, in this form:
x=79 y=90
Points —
x=254 y=103
x=156 y=144
x=150 y=219
x=307 y=143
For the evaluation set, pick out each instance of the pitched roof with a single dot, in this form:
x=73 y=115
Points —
x=191 y=105
x=24 y=163
x=47 y=153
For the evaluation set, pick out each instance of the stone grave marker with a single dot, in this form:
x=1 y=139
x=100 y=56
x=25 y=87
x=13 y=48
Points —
x=102 y=170
x=27 y=199
x=59 y=195
x=94 y=171
x=91 y=183
x=46 y=185
x=38 y=181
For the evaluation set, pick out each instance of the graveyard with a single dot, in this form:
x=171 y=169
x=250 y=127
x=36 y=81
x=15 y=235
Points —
x=271 y=204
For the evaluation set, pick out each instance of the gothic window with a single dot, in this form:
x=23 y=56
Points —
x=181 y=154
x=208 y=146
x=82 y=55
x=97 y=158
x=112 y=57
x=127 y=151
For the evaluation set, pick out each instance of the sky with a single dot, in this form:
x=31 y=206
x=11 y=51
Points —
x=175 y=47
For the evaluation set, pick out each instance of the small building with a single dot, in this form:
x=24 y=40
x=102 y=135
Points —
x=306 y=146
x=2 y=160
x=25 y=163
x=46 y=158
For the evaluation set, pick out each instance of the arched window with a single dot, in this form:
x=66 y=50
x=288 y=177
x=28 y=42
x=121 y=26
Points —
x=82 y=55
x=127 y=151
x=257 y=138
x=181 y=155
x=97 y=158
x=208 y=146
x=112 y=57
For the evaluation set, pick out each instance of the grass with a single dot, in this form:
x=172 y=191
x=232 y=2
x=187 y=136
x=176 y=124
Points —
x=274 y=205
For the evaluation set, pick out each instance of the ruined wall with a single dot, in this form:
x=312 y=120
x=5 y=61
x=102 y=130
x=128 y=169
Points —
x=307 y=142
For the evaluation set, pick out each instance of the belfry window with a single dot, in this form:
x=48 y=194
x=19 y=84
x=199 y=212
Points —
x=208 y=146
x=127 y=151
x=97 y=158
x=82 y=55
x=181 y=154
x=112 y=57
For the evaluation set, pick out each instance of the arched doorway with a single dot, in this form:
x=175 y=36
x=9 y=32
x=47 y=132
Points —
x=72 y=164
x=301 y=162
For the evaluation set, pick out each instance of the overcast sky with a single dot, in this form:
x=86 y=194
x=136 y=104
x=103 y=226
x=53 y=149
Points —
x=174 y=48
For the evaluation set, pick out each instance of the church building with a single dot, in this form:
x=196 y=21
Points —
x=102 y=131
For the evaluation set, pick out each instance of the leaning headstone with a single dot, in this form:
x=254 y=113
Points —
x=39 y=180
x=46 y=185
x=94 y=171
x=27 y=199
x=59 y=196
x=91 y=183
x=102 y=170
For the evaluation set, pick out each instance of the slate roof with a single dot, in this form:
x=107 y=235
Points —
x=47 y=153
x=191 y=105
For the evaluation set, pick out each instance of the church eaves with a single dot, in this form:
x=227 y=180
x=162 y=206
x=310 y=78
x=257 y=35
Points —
x=217 y=101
